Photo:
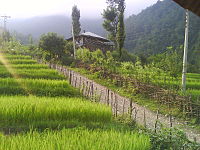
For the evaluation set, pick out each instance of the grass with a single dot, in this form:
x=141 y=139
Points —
x=76 y=139
x=22 y=61
x=28 y=66
x=192 y=85
x=38 y=87
x=10 y=57
x=28 y=111
x=33 y=74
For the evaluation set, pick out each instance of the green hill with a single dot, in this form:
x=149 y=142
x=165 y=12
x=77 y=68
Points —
x=160 y=26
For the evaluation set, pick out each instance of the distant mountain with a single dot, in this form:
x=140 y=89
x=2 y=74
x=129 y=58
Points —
x=58 y=23
x=150 y=32
x=160 y=26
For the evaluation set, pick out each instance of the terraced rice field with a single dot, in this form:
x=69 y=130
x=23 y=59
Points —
x=39 y=110
x=192 y=84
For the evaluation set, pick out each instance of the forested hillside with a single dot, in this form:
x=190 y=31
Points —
x=160 y=26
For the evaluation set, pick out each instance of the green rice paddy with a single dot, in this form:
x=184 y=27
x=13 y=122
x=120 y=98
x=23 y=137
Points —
x=75 y=139
x=39 y=110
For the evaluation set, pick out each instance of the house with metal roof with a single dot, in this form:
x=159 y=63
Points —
x=93 y=42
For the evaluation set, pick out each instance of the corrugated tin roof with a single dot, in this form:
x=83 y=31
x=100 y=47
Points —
x=93 y=35
x=192 y=5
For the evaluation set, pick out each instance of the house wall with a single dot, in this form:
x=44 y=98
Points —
x=93 y=44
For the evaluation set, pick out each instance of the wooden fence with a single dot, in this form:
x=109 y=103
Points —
x=119 y=104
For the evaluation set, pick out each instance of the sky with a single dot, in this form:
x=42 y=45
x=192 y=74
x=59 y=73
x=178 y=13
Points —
x=88 y=8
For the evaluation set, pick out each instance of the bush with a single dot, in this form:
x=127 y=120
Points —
x=171 y=139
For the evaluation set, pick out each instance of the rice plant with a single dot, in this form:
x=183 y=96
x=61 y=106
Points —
x=75 y=139
x=17 y=57
x=22 y=61
x=25 y=111
x=32 y=110
x=29 y=66
x=33 y=74
x=38 y=87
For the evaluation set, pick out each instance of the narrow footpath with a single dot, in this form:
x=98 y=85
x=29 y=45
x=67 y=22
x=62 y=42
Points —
x=122 y=105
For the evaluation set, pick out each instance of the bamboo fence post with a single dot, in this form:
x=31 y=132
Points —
x=123 y=106
x=135 y=114
x=116 y=105
x=156 y=123
x=108 y=93
x=145 y=125
x=131 y=108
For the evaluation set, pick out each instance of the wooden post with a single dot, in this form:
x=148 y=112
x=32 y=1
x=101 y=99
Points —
x=156 y=121
x=145 y=125
x=75 y=82
x=135 y=114
x=80 y=82
x=123 y=106
x=116 y=105
x=131 y=108
x=108 y=93
x=170 y=125
x=70 y=77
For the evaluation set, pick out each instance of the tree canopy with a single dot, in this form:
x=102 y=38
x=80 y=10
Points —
x=160 y=26
x=114 y=22
x=75 y=20
x=53 y=44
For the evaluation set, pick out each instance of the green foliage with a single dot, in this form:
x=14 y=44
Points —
x=54 y=48
x=6 y=36
x=126 y=56
x=69 y=48
x=160 y=26
x=110 y=62
x=120 y=33
x=98 y=59
x=110 y=22
x=15 y=47
x=171 y=139
x=23 y=38
x=84 y=55
x=53 y=44
x=30 y=39
x=114 y=22
x=170 y=61
x=75 y=20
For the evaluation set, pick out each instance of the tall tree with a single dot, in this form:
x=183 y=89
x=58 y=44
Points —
x=110 y=16
x=76 y=20
x=121 y=27
x=114 y=22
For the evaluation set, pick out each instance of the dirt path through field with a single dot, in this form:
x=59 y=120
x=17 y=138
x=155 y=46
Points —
x=123 y=105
